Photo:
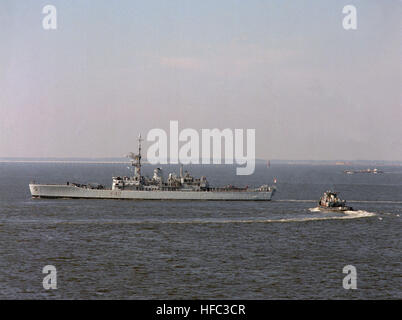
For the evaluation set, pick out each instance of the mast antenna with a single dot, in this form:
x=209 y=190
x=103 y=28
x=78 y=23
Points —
x=138 y=159
x=139 y=145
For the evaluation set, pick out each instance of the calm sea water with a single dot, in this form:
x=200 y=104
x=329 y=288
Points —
x=111 y=249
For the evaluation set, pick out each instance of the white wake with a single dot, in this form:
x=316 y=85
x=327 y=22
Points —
x=346 y=214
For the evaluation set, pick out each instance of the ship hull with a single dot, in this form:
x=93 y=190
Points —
x=71 y=191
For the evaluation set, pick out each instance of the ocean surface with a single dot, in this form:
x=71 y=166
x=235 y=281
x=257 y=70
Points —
x=283 y=249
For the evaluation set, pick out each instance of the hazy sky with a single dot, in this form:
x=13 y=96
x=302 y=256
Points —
x=113 y=69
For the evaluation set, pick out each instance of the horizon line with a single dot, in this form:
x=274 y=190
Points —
x=117 y=160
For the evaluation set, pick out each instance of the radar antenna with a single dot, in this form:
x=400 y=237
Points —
x=136 y=160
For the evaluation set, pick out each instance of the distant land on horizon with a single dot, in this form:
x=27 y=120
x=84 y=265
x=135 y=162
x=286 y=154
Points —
x=258 y=161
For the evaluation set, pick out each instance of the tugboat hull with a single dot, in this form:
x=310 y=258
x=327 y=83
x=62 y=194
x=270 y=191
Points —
x=335 y=209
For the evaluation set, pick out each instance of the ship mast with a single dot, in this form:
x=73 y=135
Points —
x=137 y=159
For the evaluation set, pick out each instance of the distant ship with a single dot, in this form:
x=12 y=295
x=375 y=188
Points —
x=373 y=171
x=138 y=187
x=331 y=202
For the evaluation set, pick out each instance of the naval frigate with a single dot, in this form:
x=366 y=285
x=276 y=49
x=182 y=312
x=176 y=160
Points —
x=139 y=187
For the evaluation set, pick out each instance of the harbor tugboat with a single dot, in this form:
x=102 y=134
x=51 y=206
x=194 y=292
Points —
x=331 y=202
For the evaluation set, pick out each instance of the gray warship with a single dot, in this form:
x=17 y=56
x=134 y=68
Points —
x=137 y=187
x=331 y=202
